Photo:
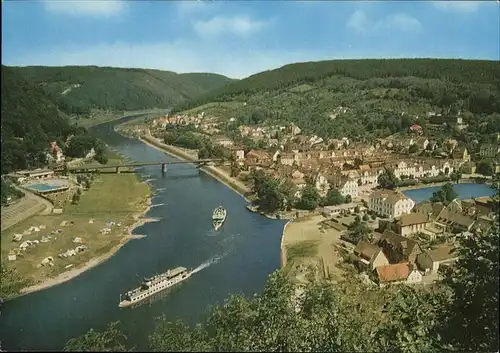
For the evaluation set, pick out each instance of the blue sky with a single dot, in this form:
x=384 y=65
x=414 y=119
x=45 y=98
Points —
x=238 y=38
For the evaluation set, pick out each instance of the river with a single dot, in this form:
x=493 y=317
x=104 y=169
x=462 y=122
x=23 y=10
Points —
x=248 y=246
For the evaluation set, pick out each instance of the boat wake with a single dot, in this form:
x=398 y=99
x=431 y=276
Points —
x=160 y=189
x=206 y=264
x=157 y=205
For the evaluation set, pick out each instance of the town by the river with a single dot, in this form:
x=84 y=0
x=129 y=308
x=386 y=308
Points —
x=237 y=259
x=246 y=250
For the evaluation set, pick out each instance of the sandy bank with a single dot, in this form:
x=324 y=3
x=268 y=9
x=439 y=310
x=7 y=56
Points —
x=234 y=184
x=68 y=275
x=307 y=231
x=282 y=245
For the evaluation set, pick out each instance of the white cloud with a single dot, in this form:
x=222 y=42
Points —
x=360 y=22
x=400 y=21
x=185 y=8
x=238 y=25
x=457 y=6
x=104 y=8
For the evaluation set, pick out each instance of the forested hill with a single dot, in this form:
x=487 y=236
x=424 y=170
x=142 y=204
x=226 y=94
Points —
x=312 y=91
x=30 y=120
x=455 y=72
x=78 y=89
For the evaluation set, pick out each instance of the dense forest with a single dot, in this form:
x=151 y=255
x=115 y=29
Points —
x=30 y=121
x=382 y=97
x=78 y=89
x=457 y=314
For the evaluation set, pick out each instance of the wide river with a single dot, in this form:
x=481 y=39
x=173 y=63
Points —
x=248 y=246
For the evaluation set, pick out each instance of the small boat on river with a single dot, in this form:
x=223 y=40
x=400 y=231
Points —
x=218 y=217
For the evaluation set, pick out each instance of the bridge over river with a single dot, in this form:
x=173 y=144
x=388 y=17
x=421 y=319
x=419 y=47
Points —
x=163 y=164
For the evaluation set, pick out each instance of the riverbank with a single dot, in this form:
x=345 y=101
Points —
x=103 y=220
x=283 y=248
x=71 y=274
x=234 y=184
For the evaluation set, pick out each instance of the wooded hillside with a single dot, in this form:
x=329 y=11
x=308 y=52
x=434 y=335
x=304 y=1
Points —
x=375 y=91
x=30 y=120
x=78 y=89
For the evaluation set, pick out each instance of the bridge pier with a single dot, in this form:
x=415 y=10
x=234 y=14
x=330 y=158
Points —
x=117 y=170
x=163 y=167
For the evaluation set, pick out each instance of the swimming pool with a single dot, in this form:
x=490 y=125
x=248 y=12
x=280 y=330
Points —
x=49 y=186
x=43 y=187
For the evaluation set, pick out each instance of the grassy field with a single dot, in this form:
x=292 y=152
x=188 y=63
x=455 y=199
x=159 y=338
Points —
x=307 y=248
x=111 y=198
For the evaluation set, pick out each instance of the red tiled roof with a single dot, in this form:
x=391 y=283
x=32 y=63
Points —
x=396 y=272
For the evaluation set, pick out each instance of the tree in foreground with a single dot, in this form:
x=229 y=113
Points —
x=458 y=314
x=471 y=321
x=276 y=320
x=110 y=340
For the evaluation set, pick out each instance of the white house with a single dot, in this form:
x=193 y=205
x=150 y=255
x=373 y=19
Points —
x=389 y=203
x=286 y=158
x=369 y=176
x=350 y=187
x=240 y=154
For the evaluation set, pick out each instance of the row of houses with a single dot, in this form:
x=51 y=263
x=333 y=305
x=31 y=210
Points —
x=384 y=202
x=398 y=259
x=436 y=219
x=178 y=120
x=315 y=160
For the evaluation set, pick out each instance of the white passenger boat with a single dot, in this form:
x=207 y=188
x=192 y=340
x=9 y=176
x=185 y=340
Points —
x=219 y=217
